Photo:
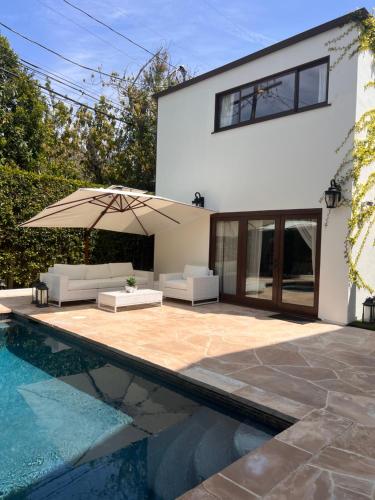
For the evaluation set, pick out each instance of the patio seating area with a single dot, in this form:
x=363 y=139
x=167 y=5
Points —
x=316 y=375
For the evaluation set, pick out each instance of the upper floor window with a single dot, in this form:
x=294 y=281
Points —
x=295 y=90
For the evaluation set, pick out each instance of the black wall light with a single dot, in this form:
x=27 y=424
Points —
x=198 y=200
x=333 y=195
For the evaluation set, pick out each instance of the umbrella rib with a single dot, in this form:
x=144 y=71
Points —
x=156 y=210
x=54 y=213
x=56 y=205
x=104 y=211
x=129 y=207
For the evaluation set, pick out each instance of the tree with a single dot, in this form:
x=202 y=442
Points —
x=22 y=113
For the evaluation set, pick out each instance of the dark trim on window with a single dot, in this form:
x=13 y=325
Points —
x=296 y=109
x=354 y=16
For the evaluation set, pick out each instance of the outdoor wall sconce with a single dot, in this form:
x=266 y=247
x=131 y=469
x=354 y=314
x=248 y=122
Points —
x=41 y=295
x=333 y=195
x=368 y=314
x=34 y=284
x=198 y=200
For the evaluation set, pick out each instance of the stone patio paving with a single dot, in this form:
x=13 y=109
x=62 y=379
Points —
x=319 y=376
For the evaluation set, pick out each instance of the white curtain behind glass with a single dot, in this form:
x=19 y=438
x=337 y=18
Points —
x=322 y=70
x=226 y=255
x=254 y=254
x=228 y=110
x=307 y=230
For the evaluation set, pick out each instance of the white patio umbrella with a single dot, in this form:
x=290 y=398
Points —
x=116 y=209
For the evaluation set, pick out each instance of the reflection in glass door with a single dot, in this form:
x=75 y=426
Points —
x=268 y=259
x=260 y=259
x=226 y=255
x=298 y=262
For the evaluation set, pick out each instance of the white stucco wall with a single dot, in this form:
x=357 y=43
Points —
x=284 y=163
x=366 y=262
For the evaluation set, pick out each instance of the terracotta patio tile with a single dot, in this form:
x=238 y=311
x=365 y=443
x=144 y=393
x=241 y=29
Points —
x=308 y=373
x=283 y=384
x=198 y=493
x=361 y=486
x=262 y=469
x=220 y=487
x=316 y=430
x=360 y=409
x=311 y=483
x=344 y=462
x=339 y=386
x=217 y=380
x=276 y=356
x=360 y=377
x=352 y=358
x=318 y=358
x=274 y=402
x=357 y=439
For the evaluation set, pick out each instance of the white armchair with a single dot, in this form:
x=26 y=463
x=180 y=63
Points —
x=197 y=284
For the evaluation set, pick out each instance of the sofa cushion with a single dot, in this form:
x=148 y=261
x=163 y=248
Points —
x=120 y=269
x=195 y=271
x=76 y=272
x=97 y=272
x=177 y=284
x=102 y=283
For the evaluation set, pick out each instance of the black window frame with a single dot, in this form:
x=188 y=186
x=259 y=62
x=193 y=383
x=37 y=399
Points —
x=296 y=70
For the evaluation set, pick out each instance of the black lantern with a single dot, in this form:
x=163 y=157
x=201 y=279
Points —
x=368 y=313
x=333 y=195
x=41 y=295
x=34 y=284
x=3 y=284
x=198 y=200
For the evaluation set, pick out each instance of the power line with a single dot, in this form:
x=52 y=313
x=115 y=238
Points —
x=117 y=32
x=33 y=67
x=73 y=86
x=61 y=55
x=74 y=101
x=88 y=31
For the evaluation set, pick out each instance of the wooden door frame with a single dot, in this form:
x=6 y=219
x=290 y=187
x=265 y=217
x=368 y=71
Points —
x=279 y=216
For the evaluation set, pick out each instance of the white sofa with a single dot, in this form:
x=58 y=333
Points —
x=196 y=284
x=83 y=282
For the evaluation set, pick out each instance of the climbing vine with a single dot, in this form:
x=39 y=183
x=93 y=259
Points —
x=356 y=172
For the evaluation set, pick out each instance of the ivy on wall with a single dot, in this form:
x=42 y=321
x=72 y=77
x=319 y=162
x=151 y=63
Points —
x=25 y=252
x=357 y=168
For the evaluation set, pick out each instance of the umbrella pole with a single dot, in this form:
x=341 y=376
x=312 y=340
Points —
x=86 y=250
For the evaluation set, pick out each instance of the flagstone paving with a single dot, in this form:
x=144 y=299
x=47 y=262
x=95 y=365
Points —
x=318 y=376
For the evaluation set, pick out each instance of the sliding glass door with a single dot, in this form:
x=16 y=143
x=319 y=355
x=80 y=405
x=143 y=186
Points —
x=299 y=261
x=260 y=259
x=268 y=259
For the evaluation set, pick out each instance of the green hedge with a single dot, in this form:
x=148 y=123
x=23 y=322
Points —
x=24 y=252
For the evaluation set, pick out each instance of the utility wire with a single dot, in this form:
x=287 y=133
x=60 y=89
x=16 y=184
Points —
x=61 y=55
x=117 y=32
x=88 y=31
x=73 y=86
x=78 y=103
x=33 y=67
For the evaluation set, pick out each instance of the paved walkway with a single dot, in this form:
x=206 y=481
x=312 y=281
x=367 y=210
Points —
x=318 y=375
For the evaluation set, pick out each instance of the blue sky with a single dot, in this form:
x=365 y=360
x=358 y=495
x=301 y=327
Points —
x=200 y=34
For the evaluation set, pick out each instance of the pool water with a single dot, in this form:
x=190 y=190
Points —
x=73 y=425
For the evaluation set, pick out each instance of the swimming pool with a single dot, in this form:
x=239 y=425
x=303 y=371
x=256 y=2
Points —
x=75 y=424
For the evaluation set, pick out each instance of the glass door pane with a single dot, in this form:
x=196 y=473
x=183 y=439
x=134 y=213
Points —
x=298 y=267
x=260 y=259
x=226 y=255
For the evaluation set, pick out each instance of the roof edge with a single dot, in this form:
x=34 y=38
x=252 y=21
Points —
x=355 y=15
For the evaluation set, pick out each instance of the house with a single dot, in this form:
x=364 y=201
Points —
x=257 y=138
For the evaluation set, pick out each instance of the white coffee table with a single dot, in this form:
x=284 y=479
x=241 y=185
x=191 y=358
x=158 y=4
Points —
x=114 y=300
